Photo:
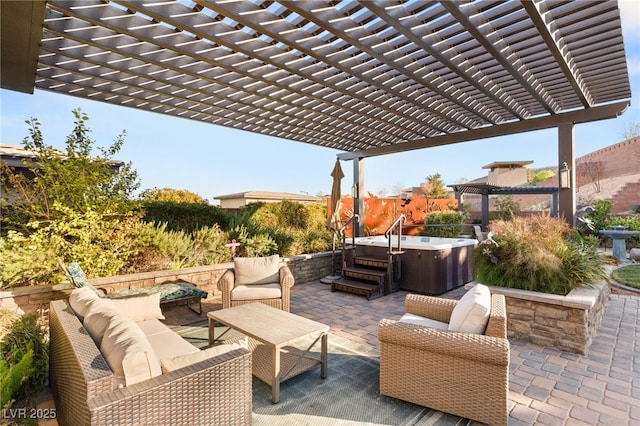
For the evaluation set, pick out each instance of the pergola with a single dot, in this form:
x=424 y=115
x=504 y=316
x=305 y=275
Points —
x=485 y=190
x=366 y=78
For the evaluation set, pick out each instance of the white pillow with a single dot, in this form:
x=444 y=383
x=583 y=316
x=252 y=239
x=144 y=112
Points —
x=175 y=363
x=471 y=313
x=128 y=352
x=140 y=308
x=80 y=299
x=256 y=270
x=98 y=317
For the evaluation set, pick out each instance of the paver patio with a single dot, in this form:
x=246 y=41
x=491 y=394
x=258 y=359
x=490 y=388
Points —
x=547 y=386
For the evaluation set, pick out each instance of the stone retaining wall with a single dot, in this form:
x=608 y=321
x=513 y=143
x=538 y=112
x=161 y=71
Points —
x=305 y=268
x=564 y=322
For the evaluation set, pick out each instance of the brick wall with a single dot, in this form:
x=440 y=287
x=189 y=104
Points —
x=619 y=159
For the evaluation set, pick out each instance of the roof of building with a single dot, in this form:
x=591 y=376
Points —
x=506 y=164
x=13 y=156
x=268 y=195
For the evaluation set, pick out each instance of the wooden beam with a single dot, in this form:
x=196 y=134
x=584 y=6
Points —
x=546 y=122
x=21 y=31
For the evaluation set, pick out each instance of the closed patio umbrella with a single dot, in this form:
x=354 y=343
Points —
x=334 y=223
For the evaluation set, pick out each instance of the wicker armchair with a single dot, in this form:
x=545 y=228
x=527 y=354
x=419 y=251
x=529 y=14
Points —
x=459 y=373
x=260 y=279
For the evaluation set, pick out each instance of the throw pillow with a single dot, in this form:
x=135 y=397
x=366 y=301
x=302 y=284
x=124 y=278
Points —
x=81 y=299
x=128 y=352
x=257 y=270
x=140 y=308
x=471 y=313
x=98 y=317
x=78 y=278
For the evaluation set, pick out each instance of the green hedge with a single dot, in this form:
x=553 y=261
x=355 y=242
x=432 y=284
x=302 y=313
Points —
x=436 y=224
x=187 y=217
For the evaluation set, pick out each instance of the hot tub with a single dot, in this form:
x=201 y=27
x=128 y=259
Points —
x=429 y=265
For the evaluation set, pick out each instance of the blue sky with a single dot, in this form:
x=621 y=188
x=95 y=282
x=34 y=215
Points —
x=212 y=160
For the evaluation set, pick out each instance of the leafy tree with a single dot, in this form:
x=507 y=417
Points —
x=541 y=176
x=593 y=171
x=75 y=205
x=79 y=178
x=434 y=187
x=170 y=194
x=506 y=206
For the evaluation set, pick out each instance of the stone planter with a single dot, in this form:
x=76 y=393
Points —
x=566 y=322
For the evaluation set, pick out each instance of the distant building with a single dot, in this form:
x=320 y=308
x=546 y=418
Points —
x=22 y=161
x=241 y=199
x=507 y=173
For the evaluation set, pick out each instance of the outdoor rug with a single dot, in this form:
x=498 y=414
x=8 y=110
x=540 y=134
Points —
x=348 y=396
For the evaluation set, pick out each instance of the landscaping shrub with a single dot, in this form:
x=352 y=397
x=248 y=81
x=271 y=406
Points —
x=505 y=207
x=599 y=214
x=187 y=217
x=101 y=242
x=25 y=358
x=179 y=249
x=291 y=228
x=74 y=204
x=536 y=253
x=285 y=214
x=631 y=222
x=170 y=194
x=77 y=205
x=440 y=218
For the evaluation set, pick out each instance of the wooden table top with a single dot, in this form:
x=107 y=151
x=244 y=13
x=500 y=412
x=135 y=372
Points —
x=267 y=324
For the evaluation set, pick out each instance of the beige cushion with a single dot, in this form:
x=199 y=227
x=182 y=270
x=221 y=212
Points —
x=256 y=292
x=178 y=362
x=140 y=308
x=471 y=313
x=80 y=299
x=128 y=352
x=425 y=322
x=98 y=317
x=151 y=327
x=164 y=342
x=256 y=270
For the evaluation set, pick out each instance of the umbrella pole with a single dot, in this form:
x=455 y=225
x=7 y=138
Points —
x=333 y=255
x=329 y=278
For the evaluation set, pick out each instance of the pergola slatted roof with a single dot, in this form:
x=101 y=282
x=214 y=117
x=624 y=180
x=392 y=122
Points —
x=357 y=76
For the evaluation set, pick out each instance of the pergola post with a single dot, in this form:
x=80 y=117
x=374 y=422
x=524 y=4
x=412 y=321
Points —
x=566 y=154
x=358 y=192
x=459 y=197
x=485 y=209
x=554 y=204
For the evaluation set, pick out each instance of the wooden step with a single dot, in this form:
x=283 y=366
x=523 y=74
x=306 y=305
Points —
x=375 y=262
x=375 y=275
x=357 y=287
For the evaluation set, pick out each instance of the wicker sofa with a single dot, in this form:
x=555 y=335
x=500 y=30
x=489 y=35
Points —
x=461 y=373
x=215 y=390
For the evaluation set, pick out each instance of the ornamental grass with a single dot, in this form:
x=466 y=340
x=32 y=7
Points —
x=537 y=253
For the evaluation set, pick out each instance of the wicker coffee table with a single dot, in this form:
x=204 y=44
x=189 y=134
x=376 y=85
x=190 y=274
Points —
x=270 y=333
